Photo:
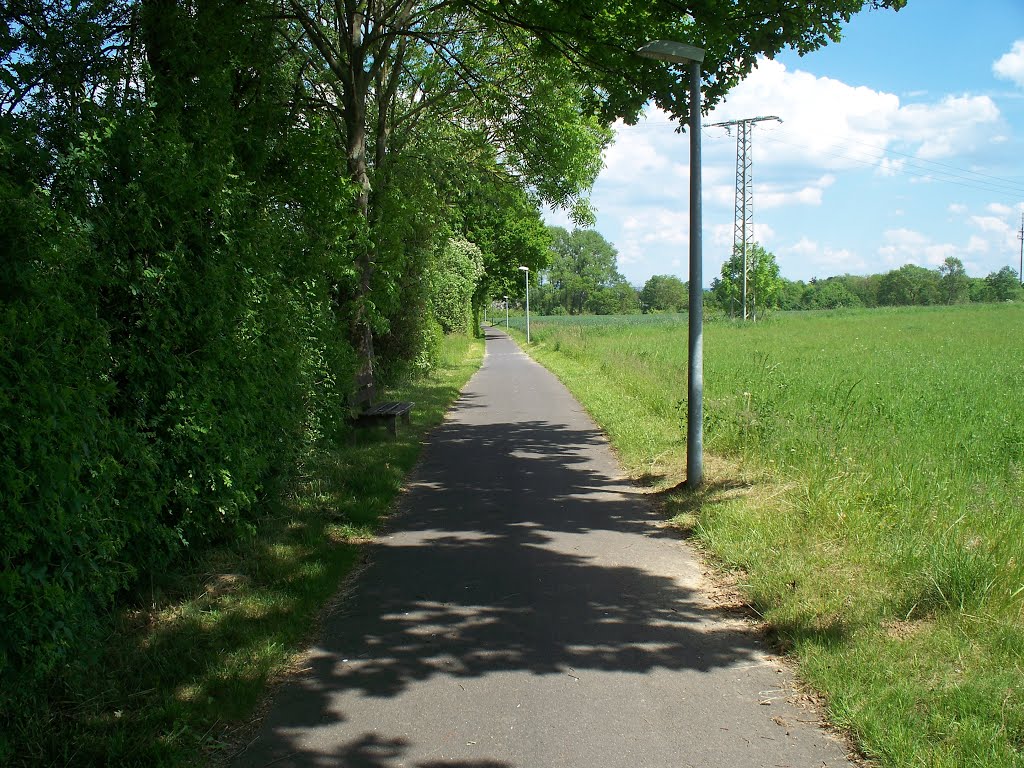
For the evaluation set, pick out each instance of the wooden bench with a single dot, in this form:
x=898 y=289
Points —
x=369 y=412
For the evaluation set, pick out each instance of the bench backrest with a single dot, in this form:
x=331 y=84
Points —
x=365 y=392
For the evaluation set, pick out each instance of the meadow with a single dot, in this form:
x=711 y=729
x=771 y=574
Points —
x=865 y=477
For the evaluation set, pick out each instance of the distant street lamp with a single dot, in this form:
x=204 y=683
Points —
x=506 y=313
x=526 y=270
x=680 y=53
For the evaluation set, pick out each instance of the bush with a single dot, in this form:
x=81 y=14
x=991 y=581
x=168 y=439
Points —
x=453 y=280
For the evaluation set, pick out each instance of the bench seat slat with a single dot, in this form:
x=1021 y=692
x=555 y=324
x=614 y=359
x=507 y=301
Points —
x=388 y=409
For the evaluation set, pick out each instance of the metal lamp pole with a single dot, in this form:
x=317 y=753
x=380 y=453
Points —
x=526 y=271
x=506 y=313
x=680 y=53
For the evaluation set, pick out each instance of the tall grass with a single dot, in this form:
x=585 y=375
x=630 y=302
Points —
x=884 y=544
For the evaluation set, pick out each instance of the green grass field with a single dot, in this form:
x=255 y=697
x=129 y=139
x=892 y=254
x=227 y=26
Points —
x=865 y=486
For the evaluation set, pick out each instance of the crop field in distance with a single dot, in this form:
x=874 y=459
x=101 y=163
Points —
x=865 y=489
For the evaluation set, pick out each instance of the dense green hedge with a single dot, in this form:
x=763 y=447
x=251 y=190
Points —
x=171 y=337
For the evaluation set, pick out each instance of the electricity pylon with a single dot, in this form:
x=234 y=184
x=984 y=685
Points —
x=743 y=217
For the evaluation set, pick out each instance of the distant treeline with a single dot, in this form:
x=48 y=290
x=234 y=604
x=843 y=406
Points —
x=907 y=286
x=583 y=278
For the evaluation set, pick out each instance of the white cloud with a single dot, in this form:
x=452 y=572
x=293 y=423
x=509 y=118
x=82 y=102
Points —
x=905 y=238
x=776 y=196
x=634 y=155
x=827 y=181
x=978 y=245
x=890 y=167
x=907 y=246
x=991 y=224
x=810 y=257
x=954 y=125
x=1010 y=66
x=650 y=230
x=763 y=234
x=833 y=125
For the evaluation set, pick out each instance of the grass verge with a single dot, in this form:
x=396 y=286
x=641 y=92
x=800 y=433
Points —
x=864 y=480
x=185 y=668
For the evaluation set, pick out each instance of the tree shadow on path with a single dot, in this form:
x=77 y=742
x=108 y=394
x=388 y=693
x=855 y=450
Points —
x=513 y=552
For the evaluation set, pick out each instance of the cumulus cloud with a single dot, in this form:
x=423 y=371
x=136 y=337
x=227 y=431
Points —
x=634 y=154
x=820 y=259
x=955 y=124
x=992 y=224
x=652 y=230
x=831 y=124
x=776 y=195
x=907 y=246
x=978 y=245
x=1010 y=66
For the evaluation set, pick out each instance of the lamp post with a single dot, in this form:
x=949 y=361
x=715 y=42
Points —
x=506 y=313
x=680 y=53
x=526 y=271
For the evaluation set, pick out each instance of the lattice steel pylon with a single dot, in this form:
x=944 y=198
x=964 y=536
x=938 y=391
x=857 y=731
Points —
x=743 y=216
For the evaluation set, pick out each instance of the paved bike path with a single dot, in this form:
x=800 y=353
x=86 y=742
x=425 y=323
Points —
x=526 y=611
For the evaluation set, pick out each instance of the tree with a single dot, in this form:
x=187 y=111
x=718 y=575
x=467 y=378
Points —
x=664 y=293
x=831 y=294
x=1004 y=285
x=453 y=281
x=954 y=286
x=909 y=285
x=582 y=264
x=764 y=285
x=619 y=298
x=537 y=82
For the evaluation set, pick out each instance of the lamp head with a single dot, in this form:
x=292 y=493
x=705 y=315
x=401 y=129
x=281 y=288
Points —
x=672 y=52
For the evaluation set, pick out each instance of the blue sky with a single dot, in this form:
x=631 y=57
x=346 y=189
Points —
x=904 y=143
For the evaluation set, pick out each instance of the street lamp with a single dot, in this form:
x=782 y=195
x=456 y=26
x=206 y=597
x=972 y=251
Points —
x=526 y=270
x=680 y=53
x=506 y=313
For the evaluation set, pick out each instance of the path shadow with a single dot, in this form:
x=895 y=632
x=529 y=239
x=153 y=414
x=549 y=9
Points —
x=480 y=576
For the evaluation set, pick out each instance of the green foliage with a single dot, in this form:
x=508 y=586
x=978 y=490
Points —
x=763 y=284
x=187 y=660
x=831 y=294
x=1004 y=285
x=600 y=37
x=664 y=293
x=954 y=285
x=169 y=338
x=584 y=276
x=908 y=285
x=453 y=282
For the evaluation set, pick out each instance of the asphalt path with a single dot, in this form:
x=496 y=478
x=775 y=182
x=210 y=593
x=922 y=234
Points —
x=526 y=609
